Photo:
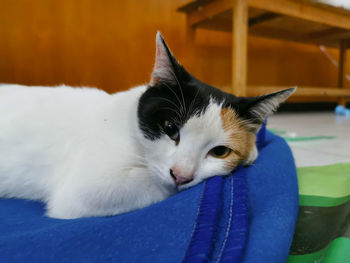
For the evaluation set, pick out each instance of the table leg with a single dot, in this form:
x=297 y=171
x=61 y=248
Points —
x=239 y=47
x=341 y=70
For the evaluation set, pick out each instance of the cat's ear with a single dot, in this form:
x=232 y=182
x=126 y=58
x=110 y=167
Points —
x=256 y=109
x=165 y=63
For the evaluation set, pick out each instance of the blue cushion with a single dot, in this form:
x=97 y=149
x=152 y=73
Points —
x=246 y=216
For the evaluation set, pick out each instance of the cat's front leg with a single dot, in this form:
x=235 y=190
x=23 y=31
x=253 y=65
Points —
x=104 y=193
x=66 y=202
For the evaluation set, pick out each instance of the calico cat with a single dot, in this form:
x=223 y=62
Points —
x=87 y=153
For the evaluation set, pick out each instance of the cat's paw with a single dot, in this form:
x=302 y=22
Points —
x=60 y=215
x=61 y=206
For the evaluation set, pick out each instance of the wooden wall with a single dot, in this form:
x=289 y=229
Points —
x=110 y=44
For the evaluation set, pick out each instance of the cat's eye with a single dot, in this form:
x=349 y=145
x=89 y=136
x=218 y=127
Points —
x=220 y=152
x=172 y=131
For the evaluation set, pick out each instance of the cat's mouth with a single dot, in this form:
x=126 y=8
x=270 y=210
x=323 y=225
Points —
x=178 y=180
x=187 y=185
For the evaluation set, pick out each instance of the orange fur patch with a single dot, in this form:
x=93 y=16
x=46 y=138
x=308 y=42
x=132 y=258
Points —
x=240 y=140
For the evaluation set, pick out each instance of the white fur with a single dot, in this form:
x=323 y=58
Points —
x=80 y=150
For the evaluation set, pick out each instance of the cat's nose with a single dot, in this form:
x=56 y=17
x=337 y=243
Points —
x=180 y=179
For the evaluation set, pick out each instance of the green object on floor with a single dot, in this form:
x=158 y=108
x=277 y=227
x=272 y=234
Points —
x=322 y=231
x=337 y=252
x=288 y=138
x=312 y=200
x=307 y=138
x=324 y=185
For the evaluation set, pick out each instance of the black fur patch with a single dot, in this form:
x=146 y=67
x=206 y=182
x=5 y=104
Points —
x=179 y=100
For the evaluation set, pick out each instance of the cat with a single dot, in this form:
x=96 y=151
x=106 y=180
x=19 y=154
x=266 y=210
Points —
x=88 y=153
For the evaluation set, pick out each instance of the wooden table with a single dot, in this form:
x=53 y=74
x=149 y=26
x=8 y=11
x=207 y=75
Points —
x=292 y=20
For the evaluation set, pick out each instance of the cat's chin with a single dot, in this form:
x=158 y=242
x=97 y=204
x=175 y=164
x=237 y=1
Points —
x=186 y=186
x=182 y=188
x=173 y=188
x=169 y=186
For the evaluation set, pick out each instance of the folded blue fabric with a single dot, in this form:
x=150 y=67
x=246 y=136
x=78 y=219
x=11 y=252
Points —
x=273 y=202
x=248 y=216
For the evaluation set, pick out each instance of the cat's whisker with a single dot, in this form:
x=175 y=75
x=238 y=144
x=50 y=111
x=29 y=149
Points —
x=192 y=103
x=177 y=97
x=133 y=167
x=167 y=108
x=141 y=158
x=156 y=170
x=144 y=127
x=183 y=98
x=137 y=157
x=176 y=121
x=137 y=163
x=165 y=99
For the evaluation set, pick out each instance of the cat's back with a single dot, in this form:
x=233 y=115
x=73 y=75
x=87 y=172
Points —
x=53 y=113
x=50 y=109
x=18 y=98
x=43 y=127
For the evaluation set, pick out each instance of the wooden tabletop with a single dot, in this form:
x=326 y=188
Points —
x=294 y=20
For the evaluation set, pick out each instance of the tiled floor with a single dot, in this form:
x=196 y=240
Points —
x=315 y=152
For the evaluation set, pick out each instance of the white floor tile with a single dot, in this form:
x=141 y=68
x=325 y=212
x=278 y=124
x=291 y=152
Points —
x=307 y=157
x=317 y=152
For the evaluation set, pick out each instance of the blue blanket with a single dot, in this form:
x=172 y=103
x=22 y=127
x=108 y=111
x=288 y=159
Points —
x=248 y=216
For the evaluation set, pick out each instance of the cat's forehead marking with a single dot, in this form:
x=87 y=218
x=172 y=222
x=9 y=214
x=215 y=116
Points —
x=207 y=122
x=239 y=139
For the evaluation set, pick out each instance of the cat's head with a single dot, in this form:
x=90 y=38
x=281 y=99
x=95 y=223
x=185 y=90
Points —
x=191 y=130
